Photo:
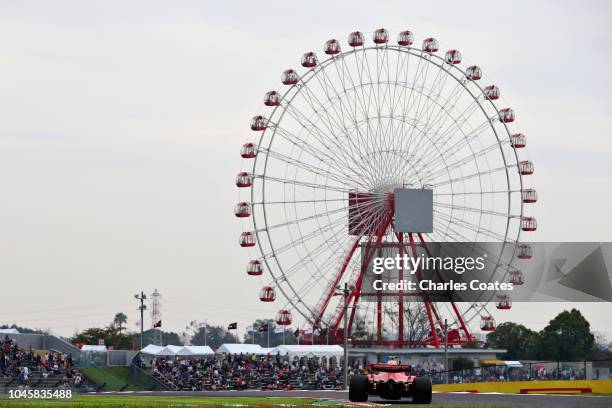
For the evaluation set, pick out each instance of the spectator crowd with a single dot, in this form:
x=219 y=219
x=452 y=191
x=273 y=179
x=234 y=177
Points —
x=22 y=365
x=278 y=372
x=242 y=371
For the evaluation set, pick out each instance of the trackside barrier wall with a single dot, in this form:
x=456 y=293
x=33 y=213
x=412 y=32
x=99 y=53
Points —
x=536 y=387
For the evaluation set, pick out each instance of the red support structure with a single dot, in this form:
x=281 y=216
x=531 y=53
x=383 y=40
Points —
x=371 y=246
x=400 y=312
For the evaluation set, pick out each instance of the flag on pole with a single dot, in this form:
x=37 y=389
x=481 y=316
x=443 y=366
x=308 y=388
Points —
x=249 y=328
x=279 y=329
x=232 y=326
x=202 y=325
x=158 y=324
x=263 y=329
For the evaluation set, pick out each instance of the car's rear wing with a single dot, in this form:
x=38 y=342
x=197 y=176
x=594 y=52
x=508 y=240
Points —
x=388 y=368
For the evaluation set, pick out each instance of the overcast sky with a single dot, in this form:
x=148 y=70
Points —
x=120 y=125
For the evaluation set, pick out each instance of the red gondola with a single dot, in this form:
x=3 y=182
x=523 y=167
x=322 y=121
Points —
x=524 y=251
x=247 y=239
x=259 y=123
x=267 y=294
x=487 y=323
x=473 y=73
x=309 y=60
x=529 y=224
x=506 y=115
x=272 y=98
x=242 y=209
x=380 y=36
x=453 y=57
x=248 y=151
x=517 y=278
x=244 y=179
x=529 y=195
x=284 y=318
x=518 y=140
x=405 y=38
x=491 y=92
x=331 y=47
x=254 y=268
x=503 y=302
x=525 y=167
x=289 y=77
x=355 y=39
x=430 y=45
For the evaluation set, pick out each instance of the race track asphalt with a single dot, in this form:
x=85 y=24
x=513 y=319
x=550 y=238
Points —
x=451 y=399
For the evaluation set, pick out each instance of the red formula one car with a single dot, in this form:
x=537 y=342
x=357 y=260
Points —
x=390 y=381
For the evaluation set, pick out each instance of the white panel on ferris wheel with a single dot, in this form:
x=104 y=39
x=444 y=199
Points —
x=413 y=209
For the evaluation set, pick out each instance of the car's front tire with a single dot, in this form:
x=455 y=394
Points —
x=358 y=388
x=421 y=390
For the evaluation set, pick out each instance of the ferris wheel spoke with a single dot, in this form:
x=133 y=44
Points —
x=372 y=99
x=361 y=147
x=276 y=253
x=463 y=161
x=475 y=210
x=368 y=208
x=462 y=142
x=418 y=101
x=303 y=145
x=476 y=193
x=332 y=144
x=444 y=112
x=472 y=175
x=315 y=169
x=313 y=234
x=473 y=227
x=349 y=162
x=315 y=186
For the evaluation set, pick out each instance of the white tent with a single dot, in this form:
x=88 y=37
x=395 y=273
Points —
x=237 y=348
x=151 y=349
x=94 y=348
x=171 y=350
x=308 y=350
x=200 y=350
x=9 y=331
x=165 y=351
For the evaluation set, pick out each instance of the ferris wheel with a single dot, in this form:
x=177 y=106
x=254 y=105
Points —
x=332 y=144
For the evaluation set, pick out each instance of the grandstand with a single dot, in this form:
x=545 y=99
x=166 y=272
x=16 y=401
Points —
x=36 y=368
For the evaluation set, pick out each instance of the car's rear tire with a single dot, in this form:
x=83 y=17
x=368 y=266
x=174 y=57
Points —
x=421 y=390
x=358 y=388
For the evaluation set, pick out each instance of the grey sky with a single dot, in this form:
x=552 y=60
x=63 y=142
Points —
x=120 y=125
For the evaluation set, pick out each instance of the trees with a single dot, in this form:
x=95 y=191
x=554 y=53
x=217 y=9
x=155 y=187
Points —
x=119 y=320
x=276 y=339
x=215 y=337
x=567 y=337
x=520 y=341
x=463 y=363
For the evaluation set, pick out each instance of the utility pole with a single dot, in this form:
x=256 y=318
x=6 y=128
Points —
x=445 y=352
x=345 y=363
x=142 y=297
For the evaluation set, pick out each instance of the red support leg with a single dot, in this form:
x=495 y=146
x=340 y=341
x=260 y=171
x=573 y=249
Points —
x=400 y=312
